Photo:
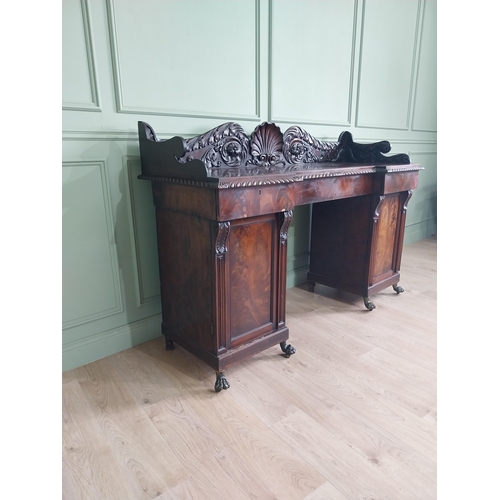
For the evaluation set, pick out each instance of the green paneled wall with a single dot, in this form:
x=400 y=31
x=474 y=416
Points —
x=186 y=66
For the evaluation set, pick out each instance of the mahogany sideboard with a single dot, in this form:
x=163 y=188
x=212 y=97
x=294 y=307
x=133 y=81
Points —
x=224 y=202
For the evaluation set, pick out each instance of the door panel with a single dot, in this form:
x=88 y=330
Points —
x=252 y=252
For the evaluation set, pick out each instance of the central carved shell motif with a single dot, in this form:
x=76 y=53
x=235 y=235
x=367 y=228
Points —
x=266 y=146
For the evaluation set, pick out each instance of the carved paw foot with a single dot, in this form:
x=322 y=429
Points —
x=311 y=286
x=288 y=349
x=169 y=345
x=369 y=304
x=398 y=289
x=221 y=382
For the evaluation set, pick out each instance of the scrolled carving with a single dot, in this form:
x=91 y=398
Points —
x=287 y=220
x=352 y=152
x=220 y=242
x=407 y=200
x=232 y=152
x=376 y=212
x=266 y=146
x=226 y=145
x=150 y=133
x=301 y=147
x=227 y=151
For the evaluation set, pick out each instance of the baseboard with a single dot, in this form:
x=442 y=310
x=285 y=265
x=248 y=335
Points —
x=420 y=231
x=296 y=277
x=110 y=342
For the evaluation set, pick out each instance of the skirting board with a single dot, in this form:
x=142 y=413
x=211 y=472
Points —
x=420 y=231
x=106 y=343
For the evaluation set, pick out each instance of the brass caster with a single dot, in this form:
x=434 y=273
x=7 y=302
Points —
x=310 y=286
x=169 y=345
x=398 y=289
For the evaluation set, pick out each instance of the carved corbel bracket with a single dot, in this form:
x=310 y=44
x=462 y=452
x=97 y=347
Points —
x=287 y=220
x=376 y=212
x=220 y=241
x=407 y=200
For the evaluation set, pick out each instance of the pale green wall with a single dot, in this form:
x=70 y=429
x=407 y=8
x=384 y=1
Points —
x=185 y=66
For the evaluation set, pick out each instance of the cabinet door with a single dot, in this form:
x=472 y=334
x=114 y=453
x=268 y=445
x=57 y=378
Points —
x=253 y=291
x=388 y=232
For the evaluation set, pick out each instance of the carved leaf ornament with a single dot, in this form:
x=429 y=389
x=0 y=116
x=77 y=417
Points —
x=226 y=145
x=302 y=147
x=227 y=151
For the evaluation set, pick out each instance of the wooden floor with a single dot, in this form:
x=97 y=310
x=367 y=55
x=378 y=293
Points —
x=352 y=415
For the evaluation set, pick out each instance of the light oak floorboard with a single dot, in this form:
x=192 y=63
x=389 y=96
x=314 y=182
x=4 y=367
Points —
x=326 y=492
x=187 y=490
x=338 y=462
x=418 y=475
x=148 y=463
x=268 y=457
x=311 y=395
x=352 y=415
x=366 y=373
x=89 y=468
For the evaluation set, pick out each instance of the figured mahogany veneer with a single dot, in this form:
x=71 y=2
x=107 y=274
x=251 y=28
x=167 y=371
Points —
x=224 y=202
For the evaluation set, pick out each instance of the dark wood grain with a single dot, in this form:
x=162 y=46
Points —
x=185 y=276
x=356 y=243
x=255 y=200
x=224 y=205
x=227 y=151
x=253 y=259
x=340 y=242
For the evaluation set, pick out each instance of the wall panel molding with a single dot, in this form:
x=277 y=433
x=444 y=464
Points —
x=109 y=265
x=124 y=107
x=433 y=153
x=425 y=95
x=304 y=68
x=94 y=105
x=144 y=235
x=368 y=63
x=422 y=219
x=101 y=135
x=113 y=135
